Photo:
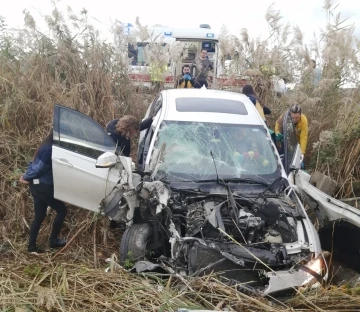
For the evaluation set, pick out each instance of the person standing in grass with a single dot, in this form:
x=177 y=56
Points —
x=39 y=177
x=301 y=127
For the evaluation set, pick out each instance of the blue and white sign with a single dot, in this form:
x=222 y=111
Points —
x=168 y=33
x=126 y=27
x=210 y=35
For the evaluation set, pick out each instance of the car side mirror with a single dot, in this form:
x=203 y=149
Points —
x=293 y=168
x=142 y=173
x=106 y=160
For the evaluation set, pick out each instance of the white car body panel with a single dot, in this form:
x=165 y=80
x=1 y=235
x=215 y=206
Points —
x=252 y=118
x=77 y=181
x=331 y=207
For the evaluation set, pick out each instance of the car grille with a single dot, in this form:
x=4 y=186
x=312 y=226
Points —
x=202 y=259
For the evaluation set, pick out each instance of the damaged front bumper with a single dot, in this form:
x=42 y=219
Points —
x=259 y=274
x=279 y=282
x=298 y=280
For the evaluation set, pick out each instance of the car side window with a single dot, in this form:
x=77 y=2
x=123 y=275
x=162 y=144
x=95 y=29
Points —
x=77 y=132
x=291 y=140
x=156 y=106
x=151 y=106
x=145 y=140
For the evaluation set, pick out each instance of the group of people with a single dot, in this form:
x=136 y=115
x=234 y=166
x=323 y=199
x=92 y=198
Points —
x=299 y=119
x=39 y=175
x=202 y=67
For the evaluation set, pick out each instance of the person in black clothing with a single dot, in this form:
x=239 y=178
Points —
x=248 y=90
x=123 y=129
x=40 y=179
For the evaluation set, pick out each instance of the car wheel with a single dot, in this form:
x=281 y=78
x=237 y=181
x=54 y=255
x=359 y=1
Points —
x=133 y=244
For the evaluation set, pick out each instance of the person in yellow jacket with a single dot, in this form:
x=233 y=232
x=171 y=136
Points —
x=186 y=80
x=301 y=127
x=157 y=75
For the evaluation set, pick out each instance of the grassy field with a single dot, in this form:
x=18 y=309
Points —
x=76 y=68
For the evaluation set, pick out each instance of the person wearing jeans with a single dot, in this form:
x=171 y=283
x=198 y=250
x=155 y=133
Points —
x=40 y=180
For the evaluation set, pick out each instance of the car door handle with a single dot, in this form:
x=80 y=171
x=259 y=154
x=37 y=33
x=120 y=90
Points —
x=63 y=162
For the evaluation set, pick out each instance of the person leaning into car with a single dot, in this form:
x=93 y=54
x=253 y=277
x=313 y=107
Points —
x=39 y=177
x=123 y=129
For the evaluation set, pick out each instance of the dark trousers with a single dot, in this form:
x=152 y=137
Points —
x=198 y=84
x=43 y=195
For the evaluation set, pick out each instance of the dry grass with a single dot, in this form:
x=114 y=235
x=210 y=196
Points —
x=77 y=69
x=40 y=283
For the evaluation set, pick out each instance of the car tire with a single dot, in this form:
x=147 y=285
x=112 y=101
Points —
x=133 y=243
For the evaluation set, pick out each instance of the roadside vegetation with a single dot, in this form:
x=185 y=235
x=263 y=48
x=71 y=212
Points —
x=71 y=64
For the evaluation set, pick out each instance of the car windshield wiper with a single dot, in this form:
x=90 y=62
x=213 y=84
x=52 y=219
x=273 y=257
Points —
x=270 y=186
x=228 y=180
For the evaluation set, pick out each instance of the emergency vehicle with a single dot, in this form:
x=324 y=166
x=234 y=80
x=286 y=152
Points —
x=193 y=41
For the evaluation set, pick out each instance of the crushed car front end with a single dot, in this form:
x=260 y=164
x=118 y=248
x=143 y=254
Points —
x=261 y=245
x=264 y=244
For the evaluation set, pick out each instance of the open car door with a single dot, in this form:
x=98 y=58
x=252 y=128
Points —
x=291 y=147
x=78 y=142
x=146 y=135
x=338 y=223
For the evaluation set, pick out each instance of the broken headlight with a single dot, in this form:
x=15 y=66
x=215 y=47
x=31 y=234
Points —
x=317 y=272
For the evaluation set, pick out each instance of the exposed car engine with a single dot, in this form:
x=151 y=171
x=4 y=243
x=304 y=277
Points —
x=221 y=234
x=246 y=221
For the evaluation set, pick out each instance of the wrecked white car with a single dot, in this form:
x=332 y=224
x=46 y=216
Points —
x=210 y=192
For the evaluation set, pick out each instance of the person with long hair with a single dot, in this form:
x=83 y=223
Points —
x=248 y=90
x=301 y=127
x=123 y=129
x=39 y=177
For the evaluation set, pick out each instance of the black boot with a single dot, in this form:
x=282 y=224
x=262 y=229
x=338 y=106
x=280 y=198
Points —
x=35 y=249
x=57 y=243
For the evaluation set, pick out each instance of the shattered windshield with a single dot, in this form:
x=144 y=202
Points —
x=182 y=152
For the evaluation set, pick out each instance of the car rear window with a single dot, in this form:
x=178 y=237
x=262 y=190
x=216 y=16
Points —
x=210 y=105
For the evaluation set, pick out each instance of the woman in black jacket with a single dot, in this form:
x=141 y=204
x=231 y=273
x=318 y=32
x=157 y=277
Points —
x=248 y=90
x=40 y=179
x=123 y=129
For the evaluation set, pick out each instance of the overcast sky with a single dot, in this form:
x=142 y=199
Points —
x=235 y=14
